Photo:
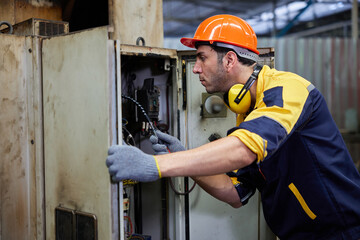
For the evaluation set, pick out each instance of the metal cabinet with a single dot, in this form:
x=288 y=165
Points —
x=21 y=174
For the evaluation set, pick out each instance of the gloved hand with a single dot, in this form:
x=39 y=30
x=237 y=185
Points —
x=164 y=141
x=128 y=162
x=249 y=178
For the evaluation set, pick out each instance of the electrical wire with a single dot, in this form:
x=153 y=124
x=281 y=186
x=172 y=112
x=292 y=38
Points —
x=176 y=191
x=181 y=193
x=153 y=128
x=136 y=237
x=130 y=223
x=124 y=121
x=129 y=137
x=142 y=110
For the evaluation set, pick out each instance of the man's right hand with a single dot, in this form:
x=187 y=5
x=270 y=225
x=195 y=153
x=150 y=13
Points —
x=165 y=143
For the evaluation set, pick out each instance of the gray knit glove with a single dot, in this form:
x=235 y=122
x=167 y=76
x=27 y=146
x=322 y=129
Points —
x=128 y=162
x=164 y=143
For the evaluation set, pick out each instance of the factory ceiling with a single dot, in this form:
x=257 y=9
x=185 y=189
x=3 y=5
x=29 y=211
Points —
x=295 y=18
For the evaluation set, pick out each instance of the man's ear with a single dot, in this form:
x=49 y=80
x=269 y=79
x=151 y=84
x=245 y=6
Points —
x=230 y=59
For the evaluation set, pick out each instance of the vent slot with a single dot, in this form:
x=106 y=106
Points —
x=39 y=27
x=64 y=224
x=51 y=29
x=75 y=225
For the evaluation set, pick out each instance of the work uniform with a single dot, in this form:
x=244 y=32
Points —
x=311 y=188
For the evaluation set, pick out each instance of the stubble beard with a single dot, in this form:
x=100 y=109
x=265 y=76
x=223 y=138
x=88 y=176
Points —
x=219 y=80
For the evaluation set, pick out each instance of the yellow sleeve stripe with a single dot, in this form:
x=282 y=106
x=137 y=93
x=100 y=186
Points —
x=157 y=166
x=234 y=181
x=253 y=141
x=302 y=201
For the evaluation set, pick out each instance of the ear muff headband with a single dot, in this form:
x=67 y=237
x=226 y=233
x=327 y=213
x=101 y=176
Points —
x=244 y=90
x=238 y=98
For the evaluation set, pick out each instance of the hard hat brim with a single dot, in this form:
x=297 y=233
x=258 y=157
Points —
x=189 y=42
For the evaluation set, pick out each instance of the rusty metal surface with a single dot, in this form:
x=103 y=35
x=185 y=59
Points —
x=131 y=21
x=20 y=142
x=147 y=51
x=21 y=10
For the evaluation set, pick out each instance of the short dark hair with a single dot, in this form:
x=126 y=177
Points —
x=221 y=52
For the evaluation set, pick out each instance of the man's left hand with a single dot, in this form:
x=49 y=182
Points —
x=128 y=162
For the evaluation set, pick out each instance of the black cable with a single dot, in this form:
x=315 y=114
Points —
x=153 y=128
x=187 y=210
x=181 y=193
x=142 y=110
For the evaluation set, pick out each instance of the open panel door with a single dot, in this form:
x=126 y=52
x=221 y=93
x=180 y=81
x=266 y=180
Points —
x=79 y=75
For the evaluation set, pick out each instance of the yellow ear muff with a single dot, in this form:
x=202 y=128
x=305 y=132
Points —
x=233 y=94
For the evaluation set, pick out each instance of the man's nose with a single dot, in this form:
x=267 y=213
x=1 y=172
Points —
x=197 y=68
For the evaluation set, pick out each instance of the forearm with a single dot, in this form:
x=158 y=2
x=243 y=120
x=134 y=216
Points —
x=214 y=158
x=221 y=187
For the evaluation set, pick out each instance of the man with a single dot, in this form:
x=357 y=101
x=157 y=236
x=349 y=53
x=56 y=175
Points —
x=285 y=143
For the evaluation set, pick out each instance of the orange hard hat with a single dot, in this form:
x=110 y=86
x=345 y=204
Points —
x=225 y=29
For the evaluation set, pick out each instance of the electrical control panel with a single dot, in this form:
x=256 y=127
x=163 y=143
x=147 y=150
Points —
x=148 y=102
x=146 y=84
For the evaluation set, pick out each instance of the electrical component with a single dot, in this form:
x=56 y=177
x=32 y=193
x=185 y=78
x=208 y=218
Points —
x=148 y=97
x=126 y=204
x=146 y=110
x=129 y=182
x=145 y=125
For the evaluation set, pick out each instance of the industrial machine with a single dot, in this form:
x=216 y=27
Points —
x=64 y=100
